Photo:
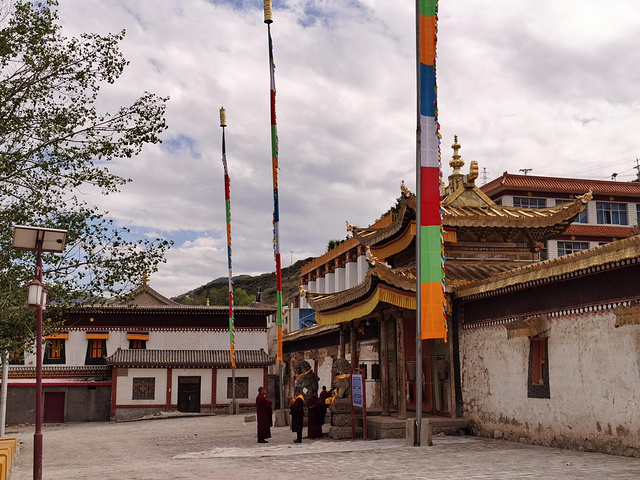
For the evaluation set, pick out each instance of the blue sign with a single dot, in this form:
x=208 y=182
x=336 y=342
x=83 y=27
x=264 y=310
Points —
x=356 y=390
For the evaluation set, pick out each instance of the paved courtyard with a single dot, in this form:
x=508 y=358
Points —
x=224 y=447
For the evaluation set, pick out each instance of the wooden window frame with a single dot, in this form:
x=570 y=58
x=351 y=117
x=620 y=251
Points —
x=137 y=344
x=538 y=375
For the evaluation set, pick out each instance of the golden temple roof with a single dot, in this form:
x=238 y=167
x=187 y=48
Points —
x=621 y=252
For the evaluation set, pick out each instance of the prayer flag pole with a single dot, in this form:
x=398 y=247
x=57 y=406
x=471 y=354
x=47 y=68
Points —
x=227 y=203
x=268 y=19
x=431 y=319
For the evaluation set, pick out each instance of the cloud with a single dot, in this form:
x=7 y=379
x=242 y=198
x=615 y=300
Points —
x=545 y=85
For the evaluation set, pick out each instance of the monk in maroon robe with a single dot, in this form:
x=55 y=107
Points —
x=297 y=415
x=263 y=415
x=315 y=417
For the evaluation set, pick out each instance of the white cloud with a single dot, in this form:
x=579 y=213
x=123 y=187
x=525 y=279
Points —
x=545 y=85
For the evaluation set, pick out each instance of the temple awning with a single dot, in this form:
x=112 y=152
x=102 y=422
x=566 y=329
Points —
x=527 y=328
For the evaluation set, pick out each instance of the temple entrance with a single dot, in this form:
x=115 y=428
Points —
x=53 y=407
x=189 y=394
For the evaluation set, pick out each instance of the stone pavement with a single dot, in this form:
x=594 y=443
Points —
x=224 y=447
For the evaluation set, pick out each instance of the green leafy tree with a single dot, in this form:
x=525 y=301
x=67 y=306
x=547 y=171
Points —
x=55 y=145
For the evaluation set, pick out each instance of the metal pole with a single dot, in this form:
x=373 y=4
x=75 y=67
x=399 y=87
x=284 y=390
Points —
x=5 y=381
x=281 y=372
x=416 y=440
x=233 y=391
x=37 y=436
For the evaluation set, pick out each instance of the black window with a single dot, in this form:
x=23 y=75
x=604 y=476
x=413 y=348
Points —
x=96 y=351
x=137 y=344
x=242 y=387
x=144 y=388
x=54 y=351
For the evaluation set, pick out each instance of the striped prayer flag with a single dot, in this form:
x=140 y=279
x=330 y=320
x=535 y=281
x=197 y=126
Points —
x=433 y=320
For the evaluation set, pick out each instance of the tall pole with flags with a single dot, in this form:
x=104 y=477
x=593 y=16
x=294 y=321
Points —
x=431 y=319
x=227 y=203
x=268 y=19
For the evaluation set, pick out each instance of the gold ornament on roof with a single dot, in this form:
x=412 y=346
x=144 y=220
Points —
x=371 y=258
x=405 y=191
x=302 y=291
x=586 y=197
x=456 y=163
x=350 y=227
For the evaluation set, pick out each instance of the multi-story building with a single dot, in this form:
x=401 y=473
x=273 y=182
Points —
x=613 y=213
x=142 y=357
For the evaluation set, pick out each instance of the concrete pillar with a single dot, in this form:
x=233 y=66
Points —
x=402 y=381
x=340 y=276
x=384 y=367
x=350 y=274
x=320 y=285
x=330 y=282
x=362 y=264
x=312 y=287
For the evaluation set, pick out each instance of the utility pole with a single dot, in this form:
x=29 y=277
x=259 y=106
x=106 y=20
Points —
x=637 y=167
x=613 y=176
x=525 y=170
x=485 y=176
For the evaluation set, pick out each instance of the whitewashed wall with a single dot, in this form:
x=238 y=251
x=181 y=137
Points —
x=256 y=379
x=594 y=378
x=124 y=392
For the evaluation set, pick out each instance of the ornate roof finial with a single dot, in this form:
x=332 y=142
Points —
x=207 y=302
x=404 y=190
x=456 y=163
x=145 y=279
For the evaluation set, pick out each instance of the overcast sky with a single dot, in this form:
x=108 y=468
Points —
x=548 y=85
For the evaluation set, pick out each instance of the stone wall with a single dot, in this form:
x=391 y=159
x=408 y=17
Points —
x=594 y=385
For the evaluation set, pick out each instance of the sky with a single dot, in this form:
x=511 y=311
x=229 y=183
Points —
x=544 y=85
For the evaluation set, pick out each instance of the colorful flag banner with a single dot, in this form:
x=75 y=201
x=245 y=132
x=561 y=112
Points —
x=227 y=204
x=268 y=19
x=433 y=318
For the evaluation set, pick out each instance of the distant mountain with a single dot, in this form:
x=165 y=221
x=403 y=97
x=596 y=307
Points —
x=251 y=284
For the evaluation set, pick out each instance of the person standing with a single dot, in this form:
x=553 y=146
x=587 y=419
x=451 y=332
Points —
x=315 y=417
x=297 y=415
x=324 y=394
x=263 y=415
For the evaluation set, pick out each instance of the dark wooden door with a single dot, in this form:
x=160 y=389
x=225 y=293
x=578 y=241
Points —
x=189 y=394
x=53 y=407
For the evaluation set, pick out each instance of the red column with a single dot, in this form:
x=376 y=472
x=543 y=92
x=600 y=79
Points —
x=169 y=381
x=114 y=393
x=214 y=385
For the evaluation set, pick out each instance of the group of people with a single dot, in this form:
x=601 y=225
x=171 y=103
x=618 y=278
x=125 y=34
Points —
x=317 y=410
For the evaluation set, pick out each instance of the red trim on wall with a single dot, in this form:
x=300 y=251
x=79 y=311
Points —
x=169 y=381
x=114 y=391
x=60 y=384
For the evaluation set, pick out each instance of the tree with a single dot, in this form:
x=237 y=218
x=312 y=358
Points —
x=54 y=144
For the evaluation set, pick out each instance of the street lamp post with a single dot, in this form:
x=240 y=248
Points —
x=38 y=239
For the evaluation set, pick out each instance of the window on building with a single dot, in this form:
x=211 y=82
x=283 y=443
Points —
x=137 y=344
x=144 y=388
x=54 y=352
x=538 y=383
x=242 y=387
x=96 y=351
x=611 y=213
x=17 y=358
x=582 y=216
x=529 y=202
x=565 y=248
